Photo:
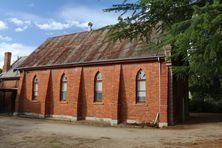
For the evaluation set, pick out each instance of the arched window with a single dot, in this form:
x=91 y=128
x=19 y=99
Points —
x=35 y=88
x=140 y=86
x=98 y=88
x=63 y=88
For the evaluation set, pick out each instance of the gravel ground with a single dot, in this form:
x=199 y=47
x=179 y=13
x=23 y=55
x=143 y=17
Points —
x=203 y=130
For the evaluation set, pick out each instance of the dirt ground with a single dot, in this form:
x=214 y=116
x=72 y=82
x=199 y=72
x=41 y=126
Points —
x=203 y=130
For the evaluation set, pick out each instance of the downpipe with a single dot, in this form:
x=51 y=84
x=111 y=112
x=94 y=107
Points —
x=159 y=91
x=157 y=118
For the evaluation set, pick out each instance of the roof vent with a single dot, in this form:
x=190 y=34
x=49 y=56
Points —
x=120 y=19
x=90 y=24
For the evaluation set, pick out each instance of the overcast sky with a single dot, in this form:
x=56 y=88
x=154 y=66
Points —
x=25 y=24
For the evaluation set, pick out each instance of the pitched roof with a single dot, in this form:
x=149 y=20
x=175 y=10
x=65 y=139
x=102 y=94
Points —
x=85 y=47
x=11 y=73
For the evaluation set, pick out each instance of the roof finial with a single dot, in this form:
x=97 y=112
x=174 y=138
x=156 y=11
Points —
x=90 y=24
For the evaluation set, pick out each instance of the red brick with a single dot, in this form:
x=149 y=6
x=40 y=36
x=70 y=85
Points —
x=119 y=92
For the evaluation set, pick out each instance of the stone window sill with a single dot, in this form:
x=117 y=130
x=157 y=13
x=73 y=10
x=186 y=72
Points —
x=35 y=101
x=141 y=103
x=63 y=102
x=98 y=103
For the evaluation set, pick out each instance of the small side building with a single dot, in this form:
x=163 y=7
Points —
x=9 y=80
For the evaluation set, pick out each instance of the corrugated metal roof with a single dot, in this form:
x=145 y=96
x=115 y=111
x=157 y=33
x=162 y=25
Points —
x=11 y=73
x=85 y=47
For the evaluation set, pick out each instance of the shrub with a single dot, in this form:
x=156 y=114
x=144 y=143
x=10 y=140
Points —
x=205 y=106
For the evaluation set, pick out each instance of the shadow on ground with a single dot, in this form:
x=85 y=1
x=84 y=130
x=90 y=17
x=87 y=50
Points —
x=197 y=118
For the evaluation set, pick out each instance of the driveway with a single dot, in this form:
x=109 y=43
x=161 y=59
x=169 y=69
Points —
x=26 y=132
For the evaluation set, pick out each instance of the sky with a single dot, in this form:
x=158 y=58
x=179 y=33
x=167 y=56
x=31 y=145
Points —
x=25 y=24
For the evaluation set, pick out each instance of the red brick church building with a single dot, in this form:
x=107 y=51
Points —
x=83 y=76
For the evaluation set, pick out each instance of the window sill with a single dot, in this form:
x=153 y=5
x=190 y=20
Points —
x=63 y=102
x=141 y=103
x=98 y=103
x=35 y=101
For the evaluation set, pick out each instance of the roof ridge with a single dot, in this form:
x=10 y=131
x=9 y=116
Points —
x=70 y=34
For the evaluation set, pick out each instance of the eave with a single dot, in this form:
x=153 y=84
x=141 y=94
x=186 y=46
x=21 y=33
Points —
x=94 y=63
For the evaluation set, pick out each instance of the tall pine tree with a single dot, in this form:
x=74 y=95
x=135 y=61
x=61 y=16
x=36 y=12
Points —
x=193 y=28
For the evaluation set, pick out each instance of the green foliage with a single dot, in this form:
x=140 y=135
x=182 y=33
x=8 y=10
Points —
x=0 y=70
x=193 y=28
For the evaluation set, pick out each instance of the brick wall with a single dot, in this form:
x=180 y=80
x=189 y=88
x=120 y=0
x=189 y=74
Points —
x=7 y=98
x=9 y=83
x=119 y=92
